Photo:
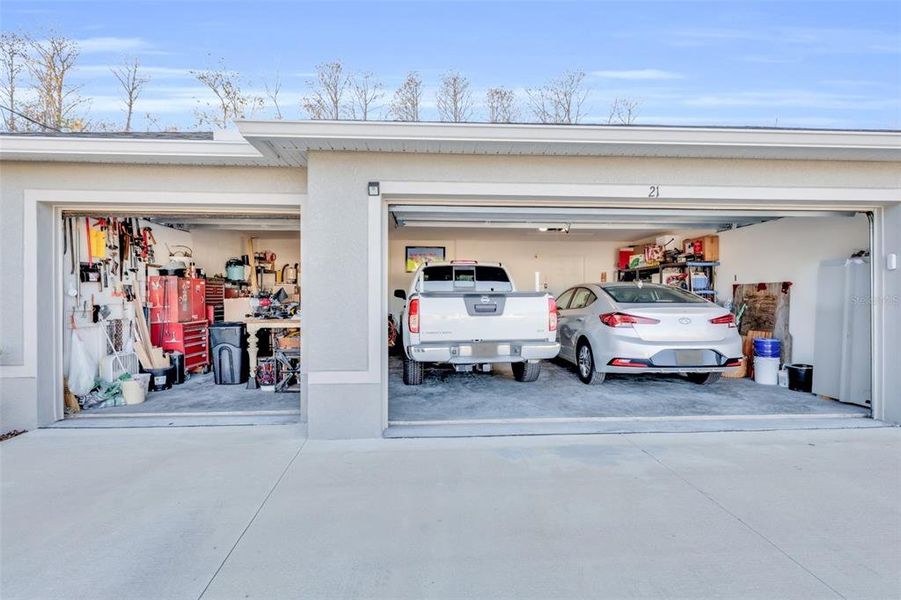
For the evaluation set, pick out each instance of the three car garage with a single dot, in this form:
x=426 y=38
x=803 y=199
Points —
x=806 y=222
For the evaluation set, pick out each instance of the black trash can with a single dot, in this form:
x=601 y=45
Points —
x=228 y=343
x=800 y=377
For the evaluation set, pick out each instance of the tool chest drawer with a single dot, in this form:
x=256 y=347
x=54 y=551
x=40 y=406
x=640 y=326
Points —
x=190 y=338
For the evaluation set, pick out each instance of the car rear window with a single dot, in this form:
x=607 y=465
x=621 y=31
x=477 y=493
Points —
x=651 y=294
x=465 y=274
x=448 y=278
x=491 y=274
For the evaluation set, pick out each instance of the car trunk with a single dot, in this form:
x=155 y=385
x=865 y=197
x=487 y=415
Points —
x=679 y=323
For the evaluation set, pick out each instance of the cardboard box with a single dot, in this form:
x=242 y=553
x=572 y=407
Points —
x=708 y=247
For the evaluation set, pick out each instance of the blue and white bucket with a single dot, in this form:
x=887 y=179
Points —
x=767 y=347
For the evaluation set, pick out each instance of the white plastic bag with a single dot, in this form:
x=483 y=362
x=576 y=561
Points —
x=82 y=368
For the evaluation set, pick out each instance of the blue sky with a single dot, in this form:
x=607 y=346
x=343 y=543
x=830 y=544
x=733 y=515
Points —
x=793 y=64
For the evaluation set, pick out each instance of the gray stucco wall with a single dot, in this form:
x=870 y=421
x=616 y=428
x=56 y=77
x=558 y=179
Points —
x=892 y=303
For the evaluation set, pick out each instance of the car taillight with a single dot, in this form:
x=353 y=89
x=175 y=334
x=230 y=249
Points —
x=551 y=314
x=725 y=320
x=413 y=315
x=618 y=319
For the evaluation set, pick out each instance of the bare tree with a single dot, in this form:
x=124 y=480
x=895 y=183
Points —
x=501 y=104
x=623 y=111
x=50 y=64
x=407 y=98
x=272 y=92
x=13 y=54
x=231 y=101
x=132 y=85
x=153 y=123
x=327 y=98
x=365 y=91
x=560 y=100
x=454 y=98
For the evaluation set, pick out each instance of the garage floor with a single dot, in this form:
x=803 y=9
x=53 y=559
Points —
x=558 y=393
x=200 y=395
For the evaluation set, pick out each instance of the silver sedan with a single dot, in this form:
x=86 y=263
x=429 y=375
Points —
x=645 y=328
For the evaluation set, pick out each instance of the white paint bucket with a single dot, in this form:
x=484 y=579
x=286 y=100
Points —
x=132 y=391
x=766 y=370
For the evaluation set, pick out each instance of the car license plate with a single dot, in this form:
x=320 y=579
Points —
x=484 y=350
x=689 y=358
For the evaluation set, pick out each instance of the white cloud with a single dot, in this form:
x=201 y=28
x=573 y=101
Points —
x=155 y=73
x=108 y=45
x=638 y=74
x=791 y=98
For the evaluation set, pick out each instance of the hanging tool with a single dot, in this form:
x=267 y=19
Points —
x=87 y=229
x=72 y=248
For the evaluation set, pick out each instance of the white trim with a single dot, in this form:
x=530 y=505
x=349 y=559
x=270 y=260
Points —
x=555 y=420
x=130 y=150
x=670 y=195
x=374 y=327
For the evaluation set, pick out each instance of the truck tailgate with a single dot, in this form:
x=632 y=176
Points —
x=455 y=317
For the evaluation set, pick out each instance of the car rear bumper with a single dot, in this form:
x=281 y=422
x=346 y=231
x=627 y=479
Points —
x=655 y=357
x=469 y=353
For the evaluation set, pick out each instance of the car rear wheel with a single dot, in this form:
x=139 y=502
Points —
x=526 y=372
x=413 y=372
x=585 y=366
x=704 y=378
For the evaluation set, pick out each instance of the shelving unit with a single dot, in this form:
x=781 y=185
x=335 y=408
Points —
x=647 y=273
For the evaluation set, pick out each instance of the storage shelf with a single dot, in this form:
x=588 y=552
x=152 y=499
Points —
x=656 y=272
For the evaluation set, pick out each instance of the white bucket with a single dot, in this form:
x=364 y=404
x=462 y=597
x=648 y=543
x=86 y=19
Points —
x=766 y=370
x=132 y=391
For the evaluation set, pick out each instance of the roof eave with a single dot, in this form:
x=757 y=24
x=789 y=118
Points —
x=277 y=139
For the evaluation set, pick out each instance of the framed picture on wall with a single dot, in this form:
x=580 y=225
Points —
x=417 y=255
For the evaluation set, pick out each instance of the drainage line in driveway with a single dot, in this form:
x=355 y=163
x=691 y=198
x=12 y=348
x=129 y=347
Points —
x=252 y=519
x=737 y=518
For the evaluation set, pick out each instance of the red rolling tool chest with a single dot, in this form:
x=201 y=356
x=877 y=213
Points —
x=178 y=317
x=189 y=338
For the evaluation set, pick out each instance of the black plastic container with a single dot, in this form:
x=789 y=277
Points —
x=800 y=377
x=228 y=332
x=161 y=379
x=228 y=341
x=178 y=361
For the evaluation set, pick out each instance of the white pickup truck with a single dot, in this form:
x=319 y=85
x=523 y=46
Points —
x=468 y=314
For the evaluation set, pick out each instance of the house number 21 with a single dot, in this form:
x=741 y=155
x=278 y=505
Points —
x=654 y=191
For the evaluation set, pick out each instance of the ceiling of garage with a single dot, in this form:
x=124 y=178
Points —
x=573 y=220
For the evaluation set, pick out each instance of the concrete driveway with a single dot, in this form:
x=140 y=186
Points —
x=257 y=512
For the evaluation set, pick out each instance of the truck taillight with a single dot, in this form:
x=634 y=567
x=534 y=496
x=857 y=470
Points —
x=618 y=319
x=413 y=315
x=551 y=314
x=725 y=320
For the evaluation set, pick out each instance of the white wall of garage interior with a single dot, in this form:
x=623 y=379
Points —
x=347 y=381
x=26 y=389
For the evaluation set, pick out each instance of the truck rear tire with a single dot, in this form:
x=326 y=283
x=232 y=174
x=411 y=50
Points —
x=413 y=372
x=526 y=372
